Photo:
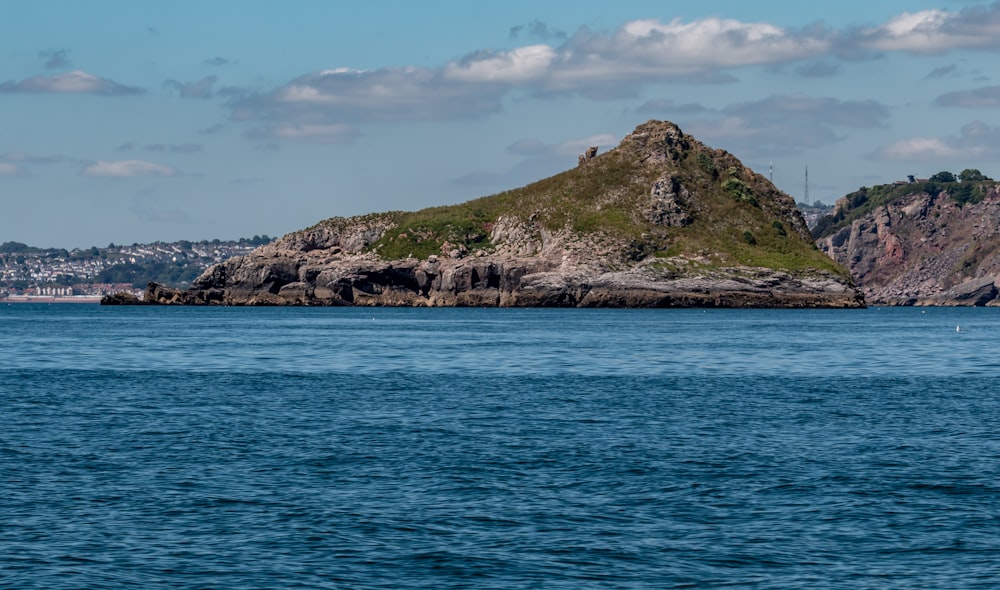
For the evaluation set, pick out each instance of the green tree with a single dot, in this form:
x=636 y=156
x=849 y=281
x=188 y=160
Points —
x=943 y=176
x=14 y=247
x=972 y=175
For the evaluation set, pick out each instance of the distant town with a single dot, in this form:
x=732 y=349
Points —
x=813 y=213
x=39 y=274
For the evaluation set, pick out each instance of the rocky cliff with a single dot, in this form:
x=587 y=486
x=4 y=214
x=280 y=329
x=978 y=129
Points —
x=920 y=243
x=659 y=221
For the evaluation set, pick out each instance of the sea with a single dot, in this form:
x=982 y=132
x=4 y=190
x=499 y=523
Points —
x=236 y=448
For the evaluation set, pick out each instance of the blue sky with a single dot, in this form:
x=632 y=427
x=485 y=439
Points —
x=124 y=121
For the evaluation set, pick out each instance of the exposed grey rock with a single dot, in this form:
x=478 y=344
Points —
x=121 y=298
x=669 y=202
x=512 y=282
x=974 y=293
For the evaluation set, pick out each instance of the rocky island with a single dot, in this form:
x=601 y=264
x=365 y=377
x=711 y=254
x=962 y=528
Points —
x=659 y=221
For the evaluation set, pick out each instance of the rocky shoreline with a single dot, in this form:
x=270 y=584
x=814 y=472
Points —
x=489 y=282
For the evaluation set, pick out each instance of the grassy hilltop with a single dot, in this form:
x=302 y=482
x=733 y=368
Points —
x=723 y=214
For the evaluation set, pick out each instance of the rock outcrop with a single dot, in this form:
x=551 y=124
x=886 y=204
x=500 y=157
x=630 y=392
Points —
x=924 y=247
x=508 y=282
x=659 y=221
x=124 y=298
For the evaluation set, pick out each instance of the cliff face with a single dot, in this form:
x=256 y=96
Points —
x=659 y=221
x=924 y=247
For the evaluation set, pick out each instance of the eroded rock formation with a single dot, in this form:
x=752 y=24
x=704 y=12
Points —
x=924 y=248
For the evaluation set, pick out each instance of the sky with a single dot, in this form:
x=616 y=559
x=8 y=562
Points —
x=125 y=121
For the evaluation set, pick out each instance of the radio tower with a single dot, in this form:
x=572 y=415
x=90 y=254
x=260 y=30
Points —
x=805 y=199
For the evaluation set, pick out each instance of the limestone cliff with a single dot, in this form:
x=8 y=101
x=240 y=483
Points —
x=920 y=243
x=661 y=220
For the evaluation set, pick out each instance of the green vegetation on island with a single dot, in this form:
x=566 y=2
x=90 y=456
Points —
x=730 y=213
x=968 y=187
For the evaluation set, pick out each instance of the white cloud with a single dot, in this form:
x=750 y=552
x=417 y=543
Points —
x=390 y=94
x=643 y=51
x=920 y=31
x=305 y=93
x=639 y=52
x=14 y=163
x=975 y=141
x=714 y=42
x=10 y=169
x=75 y=82
x=934 y=31
x=520 y=65
x=128 y=169
x=332 y=133
x=917 y=149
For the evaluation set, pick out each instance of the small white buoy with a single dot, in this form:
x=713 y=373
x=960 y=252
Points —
x=958 y=328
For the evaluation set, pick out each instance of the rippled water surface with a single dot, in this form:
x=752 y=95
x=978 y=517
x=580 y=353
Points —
x=469 y=448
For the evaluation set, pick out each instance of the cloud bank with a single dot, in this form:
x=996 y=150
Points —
x=75 y=82
x=11 y=169
x=127 y=169
x=987 y=97
x=974 y=141
x=936 y=31
x=603 y=64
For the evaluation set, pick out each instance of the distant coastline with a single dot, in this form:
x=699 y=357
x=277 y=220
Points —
x=51 y=299
x=54 y=272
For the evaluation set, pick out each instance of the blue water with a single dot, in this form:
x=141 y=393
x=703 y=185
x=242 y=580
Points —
x=470 y=448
